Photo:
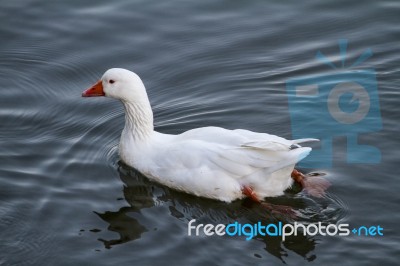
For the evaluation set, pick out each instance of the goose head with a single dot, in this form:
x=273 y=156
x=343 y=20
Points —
x=120 y=84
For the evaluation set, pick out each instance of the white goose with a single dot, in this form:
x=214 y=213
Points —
x=210 y=162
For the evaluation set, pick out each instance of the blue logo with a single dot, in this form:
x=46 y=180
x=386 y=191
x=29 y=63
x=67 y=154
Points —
x=344 y=102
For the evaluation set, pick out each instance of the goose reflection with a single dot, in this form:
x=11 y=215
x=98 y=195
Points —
x=141 y=194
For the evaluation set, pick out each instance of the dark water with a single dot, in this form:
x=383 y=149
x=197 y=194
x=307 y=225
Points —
x=66 y=199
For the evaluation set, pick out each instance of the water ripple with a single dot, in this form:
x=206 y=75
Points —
x=63 y=192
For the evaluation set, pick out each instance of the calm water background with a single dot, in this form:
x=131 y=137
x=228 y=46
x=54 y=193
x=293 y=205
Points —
x=65 y=199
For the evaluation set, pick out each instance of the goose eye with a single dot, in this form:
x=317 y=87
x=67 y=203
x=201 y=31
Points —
x=111 y=81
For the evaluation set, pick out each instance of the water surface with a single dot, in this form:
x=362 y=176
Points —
x=65 y=197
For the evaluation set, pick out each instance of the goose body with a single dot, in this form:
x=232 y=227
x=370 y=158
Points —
x=211 y=162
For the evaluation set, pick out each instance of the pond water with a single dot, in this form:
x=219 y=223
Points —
x=65 y=197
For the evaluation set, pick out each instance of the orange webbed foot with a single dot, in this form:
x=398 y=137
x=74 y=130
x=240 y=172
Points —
x=281 y=210
x=313 y=185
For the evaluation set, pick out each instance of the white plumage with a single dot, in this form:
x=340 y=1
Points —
x=210 y=162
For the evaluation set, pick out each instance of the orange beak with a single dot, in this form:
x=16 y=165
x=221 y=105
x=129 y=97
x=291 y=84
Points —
x=94 y=91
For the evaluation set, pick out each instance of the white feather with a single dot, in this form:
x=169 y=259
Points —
x=211 y=162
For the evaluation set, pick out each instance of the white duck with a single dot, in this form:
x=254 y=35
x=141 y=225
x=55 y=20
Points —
x=210 y=162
